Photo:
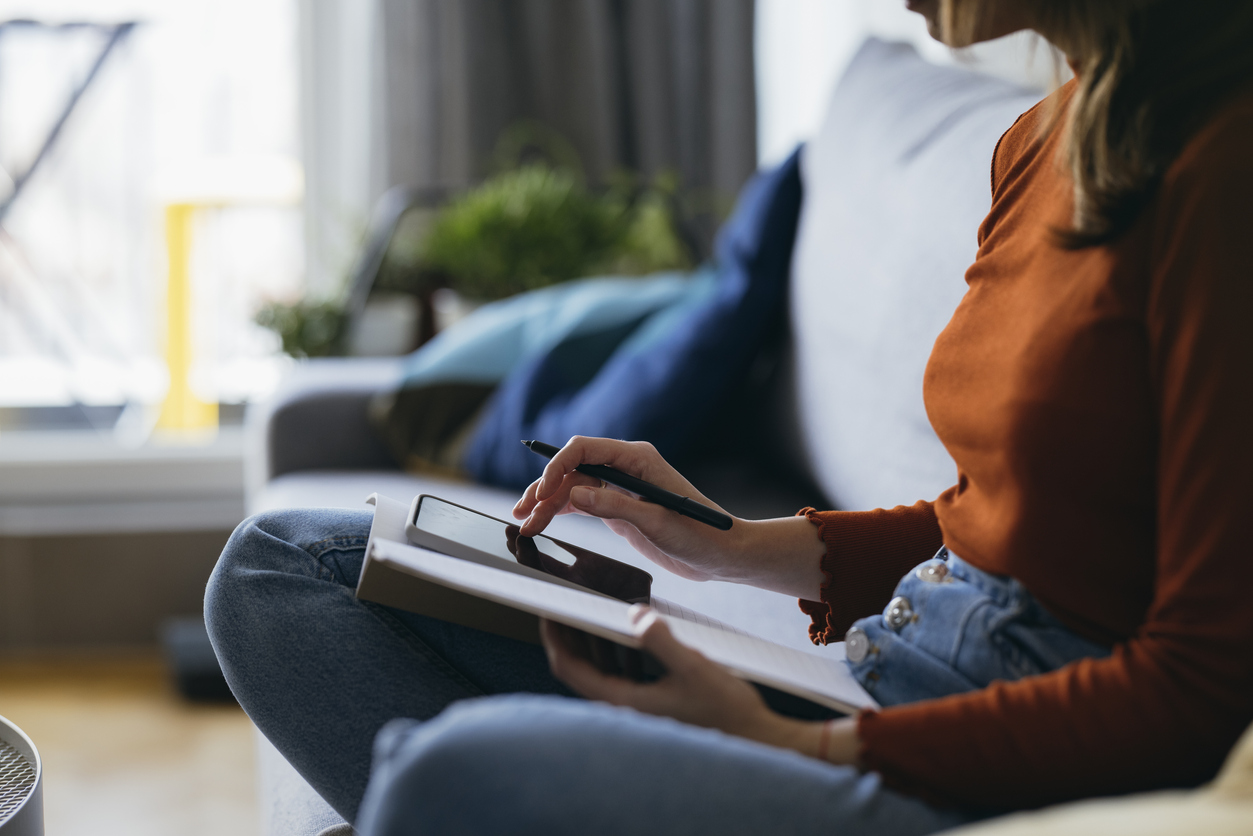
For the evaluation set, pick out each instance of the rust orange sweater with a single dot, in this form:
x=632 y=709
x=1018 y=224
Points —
x=1099 y=405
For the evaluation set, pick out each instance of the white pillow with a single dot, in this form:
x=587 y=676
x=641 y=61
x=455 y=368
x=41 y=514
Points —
x=896 y=184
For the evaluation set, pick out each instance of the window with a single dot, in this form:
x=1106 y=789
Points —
x=190 y=124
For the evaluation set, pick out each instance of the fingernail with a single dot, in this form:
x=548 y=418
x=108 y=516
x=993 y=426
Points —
x=583 y=497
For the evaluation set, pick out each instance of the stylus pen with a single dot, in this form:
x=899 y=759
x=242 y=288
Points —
x=647 y=490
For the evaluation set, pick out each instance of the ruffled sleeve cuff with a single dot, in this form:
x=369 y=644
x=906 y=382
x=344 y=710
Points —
x=867 y=554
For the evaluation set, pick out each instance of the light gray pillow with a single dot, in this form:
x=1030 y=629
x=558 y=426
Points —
x=896 y=184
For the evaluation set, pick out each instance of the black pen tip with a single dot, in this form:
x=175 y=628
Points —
x=527 y=444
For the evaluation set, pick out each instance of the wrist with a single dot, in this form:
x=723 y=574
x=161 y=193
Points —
x=833 y=741
x=741 y=561
x=838 y=742
x=783 y=555
x=776 y=730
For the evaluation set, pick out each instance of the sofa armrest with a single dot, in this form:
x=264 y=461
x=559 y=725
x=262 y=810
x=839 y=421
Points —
x=318 y=419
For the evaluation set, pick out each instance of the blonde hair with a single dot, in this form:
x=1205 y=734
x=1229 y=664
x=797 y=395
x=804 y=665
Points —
x=1150 y=73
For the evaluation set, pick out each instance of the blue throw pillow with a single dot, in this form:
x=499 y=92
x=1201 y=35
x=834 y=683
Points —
x=426 y=420
x=661 y=381
x=487 y=345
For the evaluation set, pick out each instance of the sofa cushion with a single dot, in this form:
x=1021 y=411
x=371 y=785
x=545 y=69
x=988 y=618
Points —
x=317 y=418
x=896 y=184
x=554 y=337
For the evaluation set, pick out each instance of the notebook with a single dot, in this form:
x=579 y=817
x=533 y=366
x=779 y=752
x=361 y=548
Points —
x=399 y=574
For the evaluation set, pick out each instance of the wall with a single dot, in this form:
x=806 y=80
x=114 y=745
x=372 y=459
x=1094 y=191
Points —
x=100 y=590
x=803 y=46
x=100 y=542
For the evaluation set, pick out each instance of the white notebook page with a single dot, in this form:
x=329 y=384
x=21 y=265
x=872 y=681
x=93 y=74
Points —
x=674 y=610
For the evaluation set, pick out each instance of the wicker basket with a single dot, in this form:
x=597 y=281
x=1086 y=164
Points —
x=21 y=784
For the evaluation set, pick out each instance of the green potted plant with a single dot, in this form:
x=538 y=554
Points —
x=529 y=226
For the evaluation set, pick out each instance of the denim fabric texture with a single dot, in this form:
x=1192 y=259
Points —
x=547 y=765
x=957 y=628
x=477 y=736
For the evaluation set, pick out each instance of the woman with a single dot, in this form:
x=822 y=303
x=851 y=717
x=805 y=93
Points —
x=1084 y=629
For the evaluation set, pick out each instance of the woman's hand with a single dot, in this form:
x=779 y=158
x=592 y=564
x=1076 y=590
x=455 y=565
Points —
x=783 y=555
x=684 y=546
x=695 y=690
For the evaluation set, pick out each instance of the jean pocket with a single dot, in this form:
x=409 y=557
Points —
x=896 y=671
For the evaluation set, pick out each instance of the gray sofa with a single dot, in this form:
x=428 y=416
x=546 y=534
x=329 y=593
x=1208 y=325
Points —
x=896 y=184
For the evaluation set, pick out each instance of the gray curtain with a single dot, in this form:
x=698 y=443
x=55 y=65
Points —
x=647 y=85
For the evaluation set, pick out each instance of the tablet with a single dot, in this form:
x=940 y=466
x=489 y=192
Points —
x=455 y=530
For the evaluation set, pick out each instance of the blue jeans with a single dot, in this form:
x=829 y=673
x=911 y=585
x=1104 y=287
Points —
x=321 y=673
x=952 y=628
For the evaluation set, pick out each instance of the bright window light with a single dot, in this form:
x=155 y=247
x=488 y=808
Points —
x=197 y=105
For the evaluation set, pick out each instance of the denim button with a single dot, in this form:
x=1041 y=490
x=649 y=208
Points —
x=933 y=571
x=899 y=613
x=856 y=645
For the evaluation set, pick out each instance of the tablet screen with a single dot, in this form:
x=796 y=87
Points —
x=501 y=539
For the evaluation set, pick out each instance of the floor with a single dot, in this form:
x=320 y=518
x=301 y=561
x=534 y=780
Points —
x=124 y=754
